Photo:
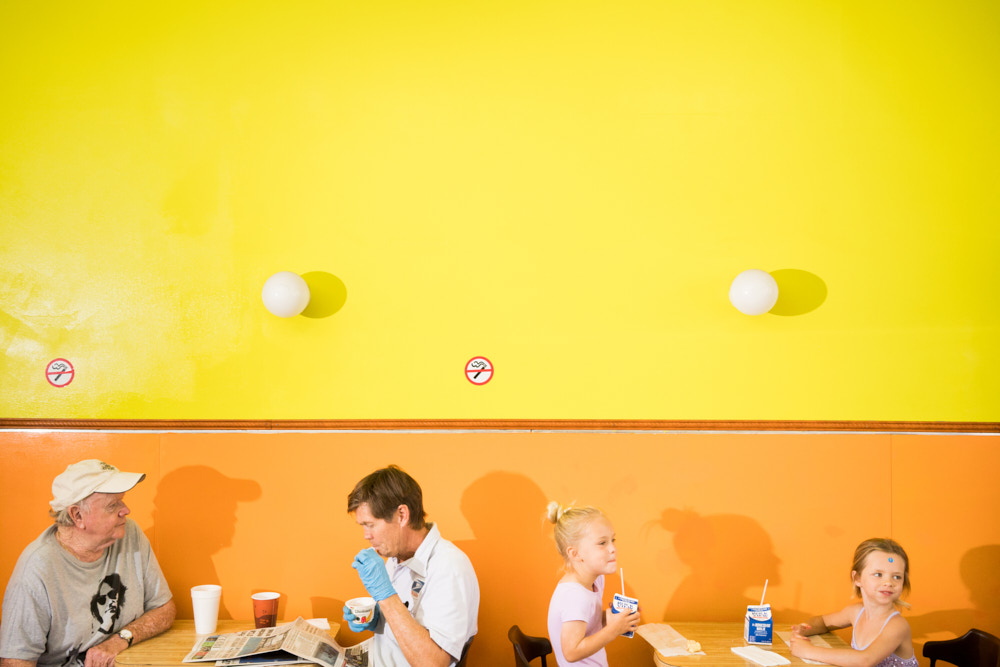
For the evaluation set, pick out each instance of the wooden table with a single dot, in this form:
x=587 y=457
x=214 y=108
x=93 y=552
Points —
x=717 y=639
x=169 y=649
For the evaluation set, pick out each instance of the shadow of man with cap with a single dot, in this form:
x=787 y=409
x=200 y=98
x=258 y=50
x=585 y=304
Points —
x=89 y=586
x=186 y=547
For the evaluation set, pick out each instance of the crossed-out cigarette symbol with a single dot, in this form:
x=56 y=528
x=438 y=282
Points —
x=479 y=370
x=59 y=372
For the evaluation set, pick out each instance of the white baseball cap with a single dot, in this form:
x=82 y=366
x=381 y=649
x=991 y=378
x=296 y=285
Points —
x=81 y=479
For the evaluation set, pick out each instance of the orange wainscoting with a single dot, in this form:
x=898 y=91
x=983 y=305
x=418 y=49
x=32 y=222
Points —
x=703 y=519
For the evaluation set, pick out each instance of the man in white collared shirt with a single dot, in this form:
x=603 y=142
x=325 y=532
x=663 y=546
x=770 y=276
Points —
x=427 y=591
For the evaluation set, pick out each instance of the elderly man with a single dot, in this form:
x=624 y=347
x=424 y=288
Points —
x=427 y=591
x=89 y=587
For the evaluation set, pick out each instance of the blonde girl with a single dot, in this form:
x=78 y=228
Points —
x=579 y=624
x=881 y=636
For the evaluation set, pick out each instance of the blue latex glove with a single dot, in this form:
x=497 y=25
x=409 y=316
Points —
x=374 y=576
x=360 y=627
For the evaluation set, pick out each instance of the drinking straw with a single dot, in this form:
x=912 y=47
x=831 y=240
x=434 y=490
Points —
x=764 y=593
x=623 y=581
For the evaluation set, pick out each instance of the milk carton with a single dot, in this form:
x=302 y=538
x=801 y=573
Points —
x=758 y=626
x=623 y=603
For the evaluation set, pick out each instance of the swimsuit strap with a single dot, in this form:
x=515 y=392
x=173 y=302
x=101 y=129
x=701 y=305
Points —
x=895 y=613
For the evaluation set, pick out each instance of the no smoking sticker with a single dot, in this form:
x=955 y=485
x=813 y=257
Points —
x=479 y=370
x=59 y=372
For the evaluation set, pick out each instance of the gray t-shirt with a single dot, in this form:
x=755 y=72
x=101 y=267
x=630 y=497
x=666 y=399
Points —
x=56 y=607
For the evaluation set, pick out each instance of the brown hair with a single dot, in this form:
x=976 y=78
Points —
x=384 y=491
x=885 y=545
x=570 y=523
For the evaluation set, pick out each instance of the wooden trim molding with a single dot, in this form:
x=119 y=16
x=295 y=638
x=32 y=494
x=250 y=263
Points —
x=492 y=425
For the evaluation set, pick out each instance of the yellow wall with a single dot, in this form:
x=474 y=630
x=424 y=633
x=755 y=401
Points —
x=565 y=187
x=702 y=519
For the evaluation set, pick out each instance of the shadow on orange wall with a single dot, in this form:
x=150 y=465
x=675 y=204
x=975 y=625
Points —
x=515 y=559
x=683 y=564
x=726 y=554
x=332 y=609
x=980 y=571
x=194 y=517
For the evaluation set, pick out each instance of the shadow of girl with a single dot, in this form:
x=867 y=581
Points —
x=726 y=555
x=980 y=572
x=515 y=559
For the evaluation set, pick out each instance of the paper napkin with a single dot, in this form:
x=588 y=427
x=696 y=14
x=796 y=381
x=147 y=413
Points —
x=760 y=656
x=786 y=636
x=665 y=639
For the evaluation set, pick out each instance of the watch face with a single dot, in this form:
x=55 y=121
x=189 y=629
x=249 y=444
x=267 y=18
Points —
x=126 y=635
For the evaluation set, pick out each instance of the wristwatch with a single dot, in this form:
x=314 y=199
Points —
x=127 y=636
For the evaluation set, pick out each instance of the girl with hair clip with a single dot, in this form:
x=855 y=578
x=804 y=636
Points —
x=881 y=636
x=579 y=625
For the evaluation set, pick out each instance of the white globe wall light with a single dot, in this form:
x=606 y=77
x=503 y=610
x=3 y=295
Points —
x=285 y=294
x=754 y=292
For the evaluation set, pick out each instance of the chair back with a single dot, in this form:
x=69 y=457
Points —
x=973 y=649
x=527 y=648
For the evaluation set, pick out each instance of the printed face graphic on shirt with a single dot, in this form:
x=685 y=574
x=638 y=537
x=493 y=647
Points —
x=75 y=658
x=106 y=605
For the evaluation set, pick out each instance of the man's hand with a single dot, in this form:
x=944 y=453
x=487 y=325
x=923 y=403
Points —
x=360 y=627
x=14 y=662
x=103 y=655
x=150 y=624
x=371 y=568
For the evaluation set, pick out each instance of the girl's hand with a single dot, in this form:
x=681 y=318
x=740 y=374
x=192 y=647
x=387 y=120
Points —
x=802 y=629
x=798 y=642
x=621 y=622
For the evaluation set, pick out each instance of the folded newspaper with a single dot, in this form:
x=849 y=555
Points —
x=299 y=638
